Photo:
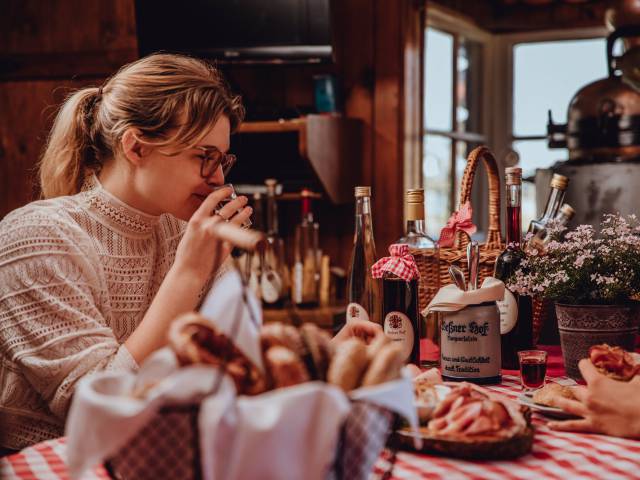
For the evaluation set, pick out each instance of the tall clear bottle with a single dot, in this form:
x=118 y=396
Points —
x=306 y=268
x=416 y=238
x=272 y=267
x=516 y=313
x=363 y=291
x=558 y=187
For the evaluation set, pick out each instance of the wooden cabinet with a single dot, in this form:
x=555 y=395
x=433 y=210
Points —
x=330 y=144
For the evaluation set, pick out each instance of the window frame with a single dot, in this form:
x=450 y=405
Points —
x=457 y=25
x=502 y=133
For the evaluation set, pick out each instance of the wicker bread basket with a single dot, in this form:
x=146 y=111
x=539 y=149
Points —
x=434 y=267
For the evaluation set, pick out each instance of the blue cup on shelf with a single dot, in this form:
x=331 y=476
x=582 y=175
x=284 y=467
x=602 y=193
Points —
x=326 y=93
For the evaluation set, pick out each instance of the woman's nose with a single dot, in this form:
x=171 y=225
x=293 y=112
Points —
x=216 y=178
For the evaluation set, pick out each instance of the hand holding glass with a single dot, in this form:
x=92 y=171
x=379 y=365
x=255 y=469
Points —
x=247 y=223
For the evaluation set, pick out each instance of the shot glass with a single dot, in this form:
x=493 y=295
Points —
x=533 y=369
x=247 y=223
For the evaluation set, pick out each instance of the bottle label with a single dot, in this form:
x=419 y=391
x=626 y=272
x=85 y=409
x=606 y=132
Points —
x=355 y=311
x=508 y=312
x=470 y=342
x=398 y=328
x=271 y=286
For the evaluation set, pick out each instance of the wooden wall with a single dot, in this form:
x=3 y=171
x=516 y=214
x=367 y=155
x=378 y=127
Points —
x=48 y=48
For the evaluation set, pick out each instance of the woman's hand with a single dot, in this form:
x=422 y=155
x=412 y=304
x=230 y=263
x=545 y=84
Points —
x=200 y=250
x=607 y=406
x=363 y=329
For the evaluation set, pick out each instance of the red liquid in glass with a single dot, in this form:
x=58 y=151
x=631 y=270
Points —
x=533 y=372
x=514 y=223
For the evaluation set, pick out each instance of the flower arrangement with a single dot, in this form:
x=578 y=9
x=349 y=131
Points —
x=585 y=268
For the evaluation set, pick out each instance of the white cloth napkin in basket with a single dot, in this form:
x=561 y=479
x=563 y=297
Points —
x=451 y=299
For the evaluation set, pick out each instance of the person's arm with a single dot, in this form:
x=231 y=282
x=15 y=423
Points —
x=52 y=306
x=607 y=406
x=199 y=253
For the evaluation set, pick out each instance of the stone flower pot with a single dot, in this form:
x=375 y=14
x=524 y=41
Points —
x=582 y=326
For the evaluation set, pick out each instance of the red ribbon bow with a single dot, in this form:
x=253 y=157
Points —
x=401 y=263
x=460 y=220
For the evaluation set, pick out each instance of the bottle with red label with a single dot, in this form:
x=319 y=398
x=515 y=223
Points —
x=400 y=311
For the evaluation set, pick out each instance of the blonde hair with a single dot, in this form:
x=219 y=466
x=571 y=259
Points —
x=172 y=99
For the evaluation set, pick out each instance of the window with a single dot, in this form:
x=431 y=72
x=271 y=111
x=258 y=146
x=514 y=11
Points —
x=546 y=75
x=453 y=123
x=496 y=90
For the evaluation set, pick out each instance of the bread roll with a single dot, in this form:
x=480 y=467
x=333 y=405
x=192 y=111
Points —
x=348 y=365
x=195 y=340
x=318 y=351
x=385 y=366
x=548 y=394
x=285 y=367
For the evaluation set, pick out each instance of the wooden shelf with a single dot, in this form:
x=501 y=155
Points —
x=321 y=316
x=332 y=144
x=273 y=126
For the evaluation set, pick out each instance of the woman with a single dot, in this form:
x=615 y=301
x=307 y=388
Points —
x=92 y=276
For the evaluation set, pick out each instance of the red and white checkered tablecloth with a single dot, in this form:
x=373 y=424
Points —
x=557 y=455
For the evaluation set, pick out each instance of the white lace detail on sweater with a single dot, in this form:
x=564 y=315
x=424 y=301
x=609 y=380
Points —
x=77 y=275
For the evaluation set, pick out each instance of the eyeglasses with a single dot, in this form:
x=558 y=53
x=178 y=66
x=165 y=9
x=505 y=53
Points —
x=212 y=159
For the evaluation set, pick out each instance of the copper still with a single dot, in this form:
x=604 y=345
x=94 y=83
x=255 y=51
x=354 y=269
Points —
x=602 y=132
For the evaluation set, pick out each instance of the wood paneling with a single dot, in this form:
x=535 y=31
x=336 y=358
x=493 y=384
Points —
x=28 y=109
x=48 y=49
x=504 y=16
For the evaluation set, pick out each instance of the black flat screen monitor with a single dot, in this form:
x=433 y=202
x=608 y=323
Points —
x=237 y=30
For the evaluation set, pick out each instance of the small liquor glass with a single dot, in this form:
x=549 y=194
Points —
x=533 y=369
x=247 y=223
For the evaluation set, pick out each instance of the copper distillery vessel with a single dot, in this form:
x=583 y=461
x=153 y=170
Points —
x=603 y=121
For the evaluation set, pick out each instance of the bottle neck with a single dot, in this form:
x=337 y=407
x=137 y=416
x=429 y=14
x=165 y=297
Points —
x=562 y=218
x=514 y=215
x=307 y=214
x=272 y=215
x=363 y=206
x=364 y=223
x=415 y=227
x=556 y=196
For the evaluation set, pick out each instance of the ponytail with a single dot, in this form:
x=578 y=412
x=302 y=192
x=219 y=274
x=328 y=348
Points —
x=70 y=146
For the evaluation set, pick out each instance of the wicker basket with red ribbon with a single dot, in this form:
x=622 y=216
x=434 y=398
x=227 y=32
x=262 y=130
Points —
x=434 y=266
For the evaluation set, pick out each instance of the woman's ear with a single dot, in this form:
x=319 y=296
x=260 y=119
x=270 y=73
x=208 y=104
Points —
x=134 y=150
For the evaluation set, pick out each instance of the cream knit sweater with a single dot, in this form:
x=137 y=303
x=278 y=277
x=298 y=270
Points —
x=77 y=275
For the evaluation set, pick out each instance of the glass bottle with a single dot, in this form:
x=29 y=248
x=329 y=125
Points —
x=516 y=322
x=401 y=314
x=306 y=271
x=540 y=240
x=558 y=187
x=254 y=260
x=362 y=289
x=415 y=233
x=416 y=238
x=272 y=287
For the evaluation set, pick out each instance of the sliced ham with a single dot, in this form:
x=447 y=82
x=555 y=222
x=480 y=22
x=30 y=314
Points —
x=614 y=362
x=470 y=411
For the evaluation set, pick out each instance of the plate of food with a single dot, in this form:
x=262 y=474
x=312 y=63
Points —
x=543 y=400
x=468 y=421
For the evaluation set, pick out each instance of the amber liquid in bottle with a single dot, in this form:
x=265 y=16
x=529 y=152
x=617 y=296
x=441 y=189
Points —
x=519 y=336
x=401 y=315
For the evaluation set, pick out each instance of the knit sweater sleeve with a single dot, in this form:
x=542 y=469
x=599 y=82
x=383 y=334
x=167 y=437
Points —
x=52 y=306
